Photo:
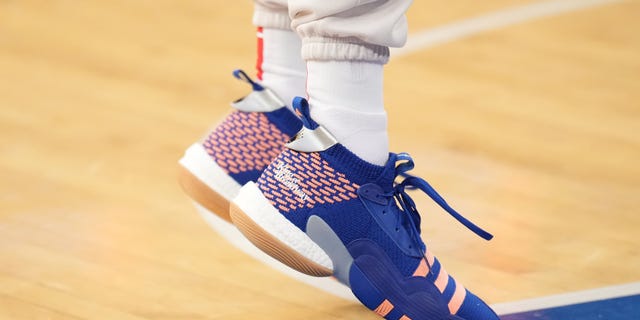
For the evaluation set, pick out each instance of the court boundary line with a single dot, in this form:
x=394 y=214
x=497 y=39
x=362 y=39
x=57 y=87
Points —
x=566 y=299
x=464 y=28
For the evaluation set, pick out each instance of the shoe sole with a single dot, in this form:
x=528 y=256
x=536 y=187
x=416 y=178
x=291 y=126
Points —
x=271 y=232
x=205 y=182
x=203 y=195
x=196 y=173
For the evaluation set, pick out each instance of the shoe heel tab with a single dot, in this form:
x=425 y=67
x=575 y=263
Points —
x=312 y=137
x=261 y=99
x=302 y=110
x=241 y=75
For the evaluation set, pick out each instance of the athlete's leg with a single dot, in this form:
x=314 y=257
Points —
x=346 y=44
x=322 y=210
x=279 y=65
x=244 y=143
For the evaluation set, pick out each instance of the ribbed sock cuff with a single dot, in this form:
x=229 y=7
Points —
x=271 y=18
x=343 y=49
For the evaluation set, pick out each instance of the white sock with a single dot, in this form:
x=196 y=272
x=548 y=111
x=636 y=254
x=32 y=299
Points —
x=346 y=98
x=280 y=66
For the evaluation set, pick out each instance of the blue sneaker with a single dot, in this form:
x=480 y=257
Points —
x=323 y=211
x=238 y=149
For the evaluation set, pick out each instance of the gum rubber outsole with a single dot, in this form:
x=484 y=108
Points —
x=202 y=194
x=273 y=246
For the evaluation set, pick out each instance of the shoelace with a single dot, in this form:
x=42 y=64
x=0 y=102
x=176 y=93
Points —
x=410 y=182
x=408 y=206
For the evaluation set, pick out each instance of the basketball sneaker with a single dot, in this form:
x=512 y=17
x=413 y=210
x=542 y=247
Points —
x=323 y=211
x=238 y=149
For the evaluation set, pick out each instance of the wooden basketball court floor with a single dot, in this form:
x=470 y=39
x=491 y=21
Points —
x=532 y=130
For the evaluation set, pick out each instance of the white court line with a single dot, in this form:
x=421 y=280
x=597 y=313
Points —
x=329 y=285
x=457 y=30
x=495 y=20
x=499 y=19
x=567 y=298
x=428 y=39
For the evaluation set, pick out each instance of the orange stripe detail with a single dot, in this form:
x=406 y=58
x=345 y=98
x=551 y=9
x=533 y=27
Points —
x=430 y=257
x=343 y=196
x=321 y=172
x=457 y=298
x=384 y=308
x=405 y=318
x=442 y=280
x=422 y=269
x=317 y=167
x=343 y=180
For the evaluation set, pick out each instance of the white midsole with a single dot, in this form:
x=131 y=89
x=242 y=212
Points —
x=202 y=166
x=251 y=201
x=233 y=235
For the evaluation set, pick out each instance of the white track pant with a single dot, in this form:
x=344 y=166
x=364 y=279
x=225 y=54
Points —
x=355 y=30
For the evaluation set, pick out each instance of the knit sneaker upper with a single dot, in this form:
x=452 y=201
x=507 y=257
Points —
x=375 y=219
x=252 y=135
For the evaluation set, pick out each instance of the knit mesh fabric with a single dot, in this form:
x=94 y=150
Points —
x=245 y=141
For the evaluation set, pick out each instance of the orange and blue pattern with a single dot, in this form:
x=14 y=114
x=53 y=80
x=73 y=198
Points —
x=391 y=281
x=385 y=308
x=244 y=142
x=296 y=180
x=430 y=266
